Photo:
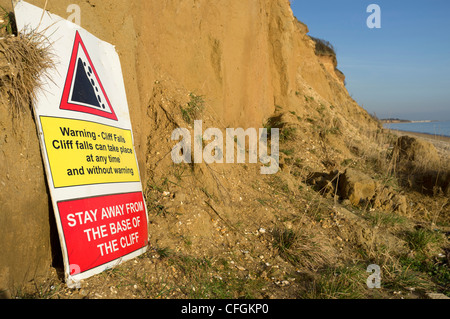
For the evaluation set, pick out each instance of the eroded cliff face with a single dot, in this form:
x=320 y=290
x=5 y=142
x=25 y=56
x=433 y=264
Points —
x=244 y=57
x=247 y=59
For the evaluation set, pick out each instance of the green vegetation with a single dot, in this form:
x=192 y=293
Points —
x=152 y=198
x=8 y=21
x=213 y=279
x=308 y=98
x=346 y=282
x=288 y=151
x=437 y=270
x=420 y=239
x=323 y=47
x=193 y=108
x=278 y=184
x=284 y=241
x=385 y=219
x=287 y=133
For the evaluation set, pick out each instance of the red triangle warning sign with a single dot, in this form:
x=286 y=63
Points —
x=83 y=90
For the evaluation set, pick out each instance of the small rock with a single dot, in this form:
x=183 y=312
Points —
x=180 y=197
x=83 y=292
x=288 y=225
x=356 y=186
x=433 y=295
x=282 y=283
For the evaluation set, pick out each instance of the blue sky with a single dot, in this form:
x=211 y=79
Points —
x=400 y=70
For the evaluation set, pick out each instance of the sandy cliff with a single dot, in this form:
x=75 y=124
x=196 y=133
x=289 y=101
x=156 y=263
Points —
x=247 y=59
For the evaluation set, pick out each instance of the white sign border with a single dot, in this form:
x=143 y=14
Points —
x=29 y=17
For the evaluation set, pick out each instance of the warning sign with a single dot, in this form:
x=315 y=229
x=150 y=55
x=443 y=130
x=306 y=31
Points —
x=88 y=150
x=83 y=90
x=83 y=152
x=106 y=227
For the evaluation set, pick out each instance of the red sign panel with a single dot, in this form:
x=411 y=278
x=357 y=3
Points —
x=101 y=229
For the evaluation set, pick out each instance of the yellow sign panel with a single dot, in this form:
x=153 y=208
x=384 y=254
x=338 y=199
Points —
x=84 y=153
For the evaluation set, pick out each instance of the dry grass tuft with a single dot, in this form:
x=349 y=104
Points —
x=24 y=62
x=303 y=247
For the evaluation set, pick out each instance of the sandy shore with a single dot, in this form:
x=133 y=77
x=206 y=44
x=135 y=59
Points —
x=442 y=143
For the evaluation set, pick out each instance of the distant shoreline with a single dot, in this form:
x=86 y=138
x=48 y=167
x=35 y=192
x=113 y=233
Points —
x=438 y=137
x=397 y=121
x=430 y=128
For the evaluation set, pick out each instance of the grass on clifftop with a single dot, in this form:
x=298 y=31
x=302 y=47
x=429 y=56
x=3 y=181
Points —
x=323 y=47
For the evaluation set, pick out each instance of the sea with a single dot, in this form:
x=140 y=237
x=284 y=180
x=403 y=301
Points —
x=434 y=128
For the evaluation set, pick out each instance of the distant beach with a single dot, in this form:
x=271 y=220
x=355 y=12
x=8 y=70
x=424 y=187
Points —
x=427 y=127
